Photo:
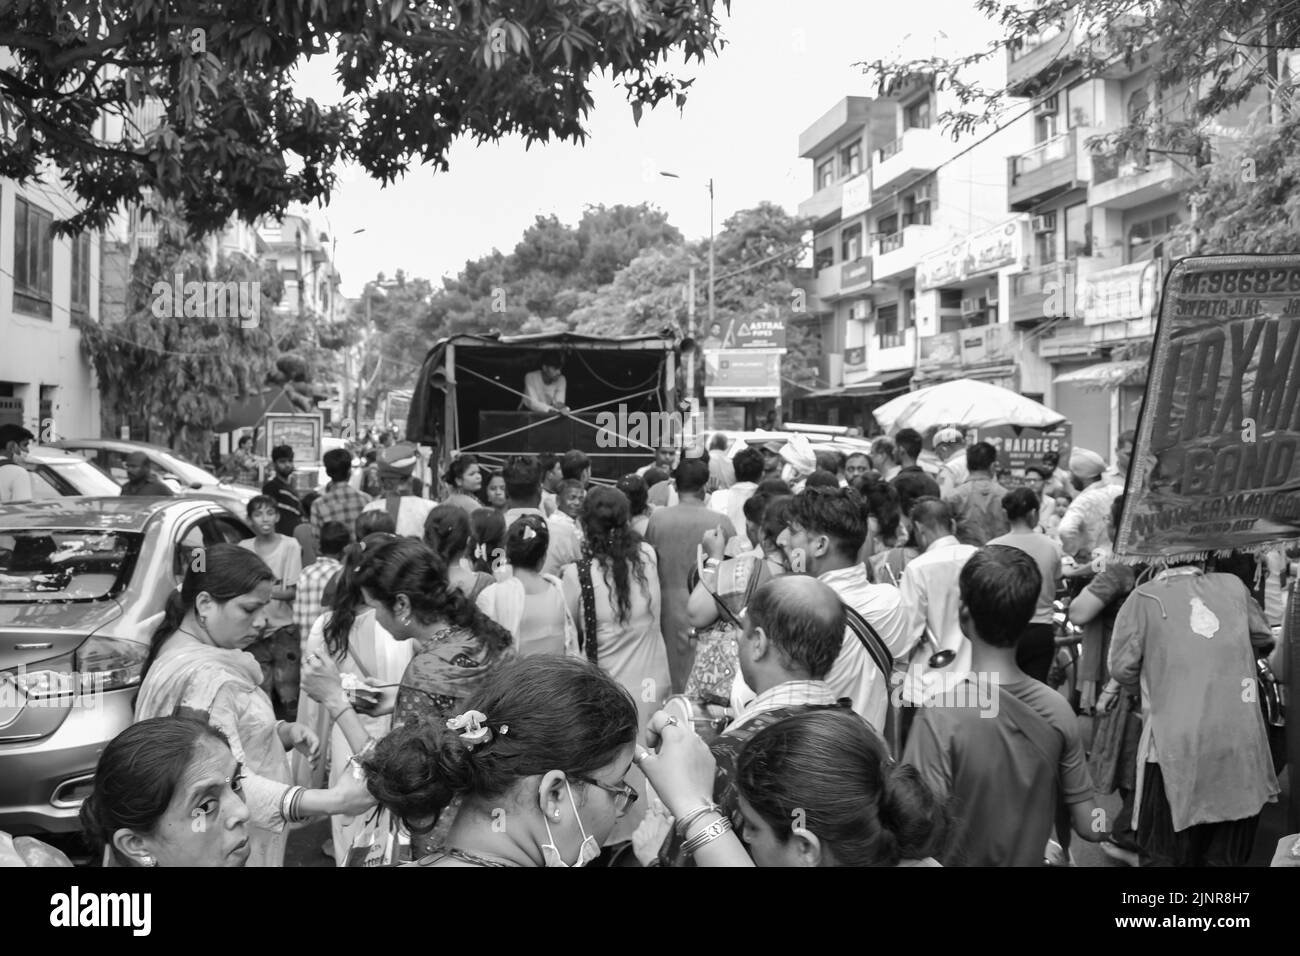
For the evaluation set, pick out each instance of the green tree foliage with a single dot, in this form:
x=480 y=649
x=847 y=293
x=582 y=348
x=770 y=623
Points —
x=553 y=271
x=180 y=371
x=237 y=140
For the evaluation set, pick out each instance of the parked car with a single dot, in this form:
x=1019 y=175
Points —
x=78 y=576
x=59 y=474
x=183 y=477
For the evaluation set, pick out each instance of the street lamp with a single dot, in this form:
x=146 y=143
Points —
x=690 y=367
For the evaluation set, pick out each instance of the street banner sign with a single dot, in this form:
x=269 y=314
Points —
x=1217 y=461
x=742 y=373
x=1018 y=448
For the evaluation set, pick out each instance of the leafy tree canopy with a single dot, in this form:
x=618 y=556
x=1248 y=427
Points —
x=236 y=140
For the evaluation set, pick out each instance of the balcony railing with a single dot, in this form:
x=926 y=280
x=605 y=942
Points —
x=891 y=242
x=890 y=149
x=1056 y=148
x=891 y=340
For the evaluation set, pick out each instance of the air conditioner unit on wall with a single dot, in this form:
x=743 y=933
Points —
x=1044 y=223
x=992 y=298
x=1047 y=106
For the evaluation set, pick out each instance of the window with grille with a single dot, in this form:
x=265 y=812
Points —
x=80 y=291
x=33 y=250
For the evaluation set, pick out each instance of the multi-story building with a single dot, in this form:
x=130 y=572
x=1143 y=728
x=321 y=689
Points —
x=303 y=255
x=1101 y=221
x=895 y=199
x=47 y=284
x=1024 y=257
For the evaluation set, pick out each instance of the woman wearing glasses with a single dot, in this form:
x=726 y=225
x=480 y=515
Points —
x=538 y=762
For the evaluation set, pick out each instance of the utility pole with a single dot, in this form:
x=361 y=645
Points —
x=708 y=422
x=694 y=404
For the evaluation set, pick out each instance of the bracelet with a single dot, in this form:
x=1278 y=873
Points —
x=689 y=818
x=706 y=836
x=343 y=710
x=290 y=805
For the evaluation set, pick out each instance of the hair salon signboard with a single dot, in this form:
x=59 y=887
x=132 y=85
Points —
x=1217 y=462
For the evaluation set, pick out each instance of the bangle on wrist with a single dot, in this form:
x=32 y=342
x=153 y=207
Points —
x=338 y=708
x=706 y=836
x=290 y=805
x=689 y=818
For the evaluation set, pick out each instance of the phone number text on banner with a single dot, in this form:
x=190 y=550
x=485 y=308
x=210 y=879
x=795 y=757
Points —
x=1217 y=462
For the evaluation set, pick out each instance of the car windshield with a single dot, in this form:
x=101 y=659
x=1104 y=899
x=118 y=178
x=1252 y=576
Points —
x=64 y=565
x=185 y=471
x=73 y=476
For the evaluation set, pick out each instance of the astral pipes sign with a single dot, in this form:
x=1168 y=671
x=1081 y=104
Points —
x=1217 y=461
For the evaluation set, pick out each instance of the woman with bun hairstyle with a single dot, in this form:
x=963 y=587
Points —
x=197 y=665
x=447 y=532
x=537 y=763
x=530 y=604
x=816 y=789
x=168 y=792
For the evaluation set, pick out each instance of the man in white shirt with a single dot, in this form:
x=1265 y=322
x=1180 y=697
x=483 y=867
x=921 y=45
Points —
x=545 y=388
x=929 y=591
x=950 y=449
x=565 y=545
x=396 y=465
x=523 y=489
x=15 y=482
x=748 y=465
x=825 y=531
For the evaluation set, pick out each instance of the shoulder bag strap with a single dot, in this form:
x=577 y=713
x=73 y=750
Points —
x=872 y=641
x=884 y=661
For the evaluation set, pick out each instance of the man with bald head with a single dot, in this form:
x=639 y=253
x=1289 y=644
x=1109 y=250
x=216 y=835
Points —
x=140 y=478
x=794 y=626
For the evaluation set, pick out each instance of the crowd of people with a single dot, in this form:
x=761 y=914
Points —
x=767 y=656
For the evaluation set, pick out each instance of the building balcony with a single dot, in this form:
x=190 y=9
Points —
x=1124 y=184
x=1032 y=64
x=891 y=350
x=842 y=279
x=898 y=253
x=1049 y=169
x=1052 y=290
x=824 y=204
x=916 y=153
x=844 y=118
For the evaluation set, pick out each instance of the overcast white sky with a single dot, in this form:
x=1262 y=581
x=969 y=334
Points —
x=785 y=64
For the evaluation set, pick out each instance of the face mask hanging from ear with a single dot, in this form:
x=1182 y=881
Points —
x=587 y=852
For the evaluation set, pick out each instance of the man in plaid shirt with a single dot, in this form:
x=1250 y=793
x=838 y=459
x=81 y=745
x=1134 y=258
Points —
x=312 y=582
x=340 y=502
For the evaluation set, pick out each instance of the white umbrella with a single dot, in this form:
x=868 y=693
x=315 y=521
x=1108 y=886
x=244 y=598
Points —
x=964 y=402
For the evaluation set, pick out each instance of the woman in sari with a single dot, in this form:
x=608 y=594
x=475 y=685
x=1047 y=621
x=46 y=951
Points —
x=616 y=586
x=349 y=635
x=197 y=665
x=456 y=645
